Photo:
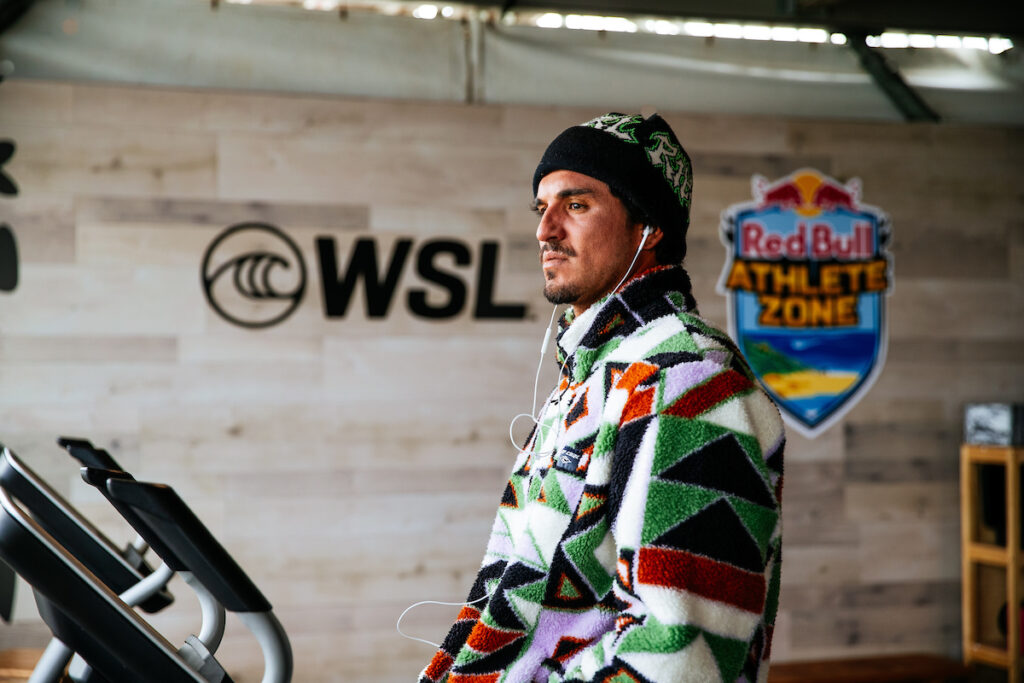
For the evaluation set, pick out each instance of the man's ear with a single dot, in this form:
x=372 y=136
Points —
x=654 y=236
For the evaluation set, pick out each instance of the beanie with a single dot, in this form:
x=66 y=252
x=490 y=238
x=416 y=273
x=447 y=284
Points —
x=640 y=159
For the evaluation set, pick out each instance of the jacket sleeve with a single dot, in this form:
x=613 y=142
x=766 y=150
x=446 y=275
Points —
x=499 y=548
x=695 y=487
x=441 y=663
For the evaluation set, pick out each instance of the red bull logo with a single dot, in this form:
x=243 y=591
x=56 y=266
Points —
x=806 y=276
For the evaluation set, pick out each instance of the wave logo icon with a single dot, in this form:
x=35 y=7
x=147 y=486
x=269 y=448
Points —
x=253 y=275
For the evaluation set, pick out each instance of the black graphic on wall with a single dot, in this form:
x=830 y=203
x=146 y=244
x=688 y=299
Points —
x=380 y=279
x=8 y=246
x=8 y=260
x=253 y=275
x=7 y=184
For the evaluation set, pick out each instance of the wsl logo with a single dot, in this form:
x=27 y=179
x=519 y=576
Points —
x=806 y=278
x=253 y=275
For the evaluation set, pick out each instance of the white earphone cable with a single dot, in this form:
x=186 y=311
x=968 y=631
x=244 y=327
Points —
x=398 y=624
x=647 y=231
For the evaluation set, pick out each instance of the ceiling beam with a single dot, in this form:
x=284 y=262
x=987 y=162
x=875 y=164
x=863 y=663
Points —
x=909 y=103
x=11 y=10
x=982 y=17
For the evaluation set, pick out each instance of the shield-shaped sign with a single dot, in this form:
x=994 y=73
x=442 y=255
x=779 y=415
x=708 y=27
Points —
x=806 y=276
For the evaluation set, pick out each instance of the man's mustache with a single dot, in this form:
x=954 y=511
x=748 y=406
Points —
x=556 y=248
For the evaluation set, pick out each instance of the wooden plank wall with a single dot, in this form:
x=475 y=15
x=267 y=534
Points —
x=353 y=465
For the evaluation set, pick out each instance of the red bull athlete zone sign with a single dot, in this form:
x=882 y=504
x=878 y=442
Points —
x=806 y=276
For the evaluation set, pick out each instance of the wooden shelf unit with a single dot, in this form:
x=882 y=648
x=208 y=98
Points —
x=975 y=553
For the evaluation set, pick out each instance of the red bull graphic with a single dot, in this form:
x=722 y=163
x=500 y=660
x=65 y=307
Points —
x=806 y=278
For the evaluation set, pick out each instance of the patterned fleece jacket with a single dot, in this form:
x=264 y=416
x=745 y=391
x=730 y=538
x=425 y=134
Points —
x=638 y=538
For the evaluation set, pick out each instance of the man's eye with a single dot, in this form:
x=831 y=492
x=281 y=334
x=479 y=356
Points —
x=575 y=206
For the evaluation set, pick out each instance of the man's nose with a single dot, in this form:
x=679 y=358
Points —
x=550 y=228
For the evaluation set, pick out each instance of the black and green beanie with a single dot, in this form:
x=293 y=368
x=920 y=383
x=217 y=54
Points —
x=640 y=159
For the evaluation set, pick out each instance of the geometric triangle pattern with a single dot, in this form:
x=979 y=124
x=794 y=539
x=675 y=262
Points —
x=638 y=537
x=702 y=534
x=725 y=466
x=567 y=647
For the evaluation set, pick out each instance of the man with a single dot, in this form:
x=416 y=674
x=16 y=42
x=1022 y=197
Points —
x=638 y=537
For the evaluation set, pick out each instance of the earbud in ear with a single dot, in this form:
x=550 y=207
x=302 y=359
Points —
x=643 y=237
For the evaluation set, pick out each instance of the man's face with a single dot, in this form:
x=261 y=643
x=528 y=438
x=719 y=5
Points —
x=586 y=239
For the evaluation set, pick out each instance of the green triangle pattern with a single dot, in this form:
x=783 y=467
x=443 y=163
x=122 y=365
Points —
x=588 y=503
x=586 y=358
x=532 y=592
x=467 y=656
x=486 y=618
x=534 y=490
x=605 y=439
x=657 y=637
x=753 y=448
x=700 y=325
x=673 y=345
x=567 y=590
x=554 y=495
x=623 y=677
x=514 y=603
x=760 y=521
x=729 y=653
x=666 y=507
x=675 y=442
x=581 y=550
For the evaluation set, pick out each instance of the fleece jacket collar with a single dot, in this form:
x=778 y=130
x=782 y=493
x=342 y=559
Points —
x=653 y=294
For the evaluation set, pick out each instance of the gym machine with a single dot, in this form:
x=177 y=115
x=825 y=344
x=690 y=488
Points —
x=86 y=587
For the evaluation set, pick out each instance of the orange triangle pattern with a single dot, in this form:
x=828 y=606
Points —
x=484 y=638
x=639 y=404
x=473 y=678
x=635 y=375
x=468 y=612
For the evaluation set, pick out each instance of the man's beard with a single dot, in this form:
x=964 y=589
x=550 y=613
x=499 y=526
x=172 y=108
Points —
x=565 y=294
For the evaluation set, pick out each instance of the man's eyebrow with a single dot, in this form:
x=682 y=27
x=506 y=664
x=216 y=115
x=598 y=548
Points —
x=562 y=194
